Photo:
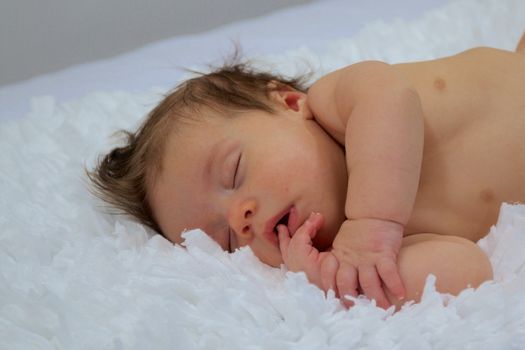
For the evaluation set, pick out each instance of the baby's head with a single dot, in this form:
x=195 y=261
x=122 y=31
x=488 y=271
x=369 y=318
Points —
x=233 y=152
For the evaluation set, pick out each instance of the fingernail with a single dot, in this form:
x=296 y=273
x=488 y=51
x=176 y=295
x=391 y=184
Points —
x=313 y=215
x=310 y=219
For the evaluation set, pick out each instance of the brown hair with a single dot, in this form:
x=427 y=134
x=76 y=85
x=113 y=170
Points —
x=121 y=177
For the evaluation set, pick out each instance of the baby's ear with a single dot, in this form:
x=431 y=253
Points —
x=289 y=98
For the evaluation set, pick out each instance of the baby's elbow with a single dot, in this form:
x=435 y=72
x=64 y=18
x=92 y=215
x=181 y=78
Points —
x=473 y=268
x=457 y=264
x=478 y=269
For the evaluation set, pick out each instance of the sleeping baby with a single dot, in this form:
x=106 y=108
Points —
x=367 y=181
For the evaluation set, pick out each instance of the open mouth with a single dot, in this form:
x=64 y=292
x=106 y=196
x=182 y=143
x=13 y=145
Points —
x=282 y=221
x=287 y=217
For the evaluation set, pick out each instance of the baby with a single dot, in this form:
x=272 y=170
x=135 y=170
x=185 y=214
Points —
x=369 y=180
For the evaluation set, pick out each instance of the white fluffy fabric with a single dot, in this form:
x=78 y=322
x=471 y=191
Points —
x=72 y=277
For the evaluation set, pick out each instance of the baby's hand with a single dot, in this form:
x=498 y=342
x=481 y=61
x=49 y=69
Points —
x=299 y=254
x=367 y=253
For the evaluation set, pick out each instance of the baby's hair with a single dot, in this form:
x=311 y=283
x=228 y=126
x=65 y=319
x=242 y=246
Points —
x=121 y=177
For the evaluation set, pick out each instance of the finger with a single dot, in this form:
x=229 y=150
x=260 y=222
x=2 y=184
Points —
x=310 y=227
x=329 y=266
x=346 y=281
x=284 y=241
x=389 y=273
x=316 y=220
x=301 y=237
x=371 y=285
x=304 y=234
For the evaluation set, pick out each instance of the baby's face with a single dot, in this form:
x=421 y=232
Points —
x=237 y=178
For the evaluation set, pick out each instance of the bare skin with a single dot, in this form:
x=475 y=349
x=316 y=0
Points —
x=470 y=159
x=456 y=262
x=430 y=151
x=469 y=147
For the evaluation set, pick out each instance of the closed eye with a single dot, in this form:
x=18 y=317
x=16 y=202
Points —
x=236 y=171
x=230 y=240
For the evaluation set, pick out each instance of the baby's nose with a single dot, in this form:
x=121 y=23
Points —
x=241 y=217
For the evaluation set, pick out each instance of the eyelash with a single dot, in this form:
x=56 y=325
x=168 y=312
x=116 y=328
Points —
x=230 y=240
x=236 y=170
x=233 y=187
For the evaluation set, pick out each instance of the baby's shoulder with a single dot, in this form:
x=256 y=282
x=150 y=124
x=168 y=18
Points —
x=334 y=96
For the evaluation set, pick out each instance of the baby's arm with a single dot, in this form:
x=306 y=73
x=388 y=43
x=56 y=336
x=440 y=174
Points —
x=377 y=115
x=456 y=262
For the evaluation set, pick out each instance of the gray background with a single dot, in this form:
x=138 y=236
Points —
x=40 y=36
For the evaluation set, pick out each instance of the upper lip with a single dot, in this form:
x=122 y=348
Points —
x=270 y=224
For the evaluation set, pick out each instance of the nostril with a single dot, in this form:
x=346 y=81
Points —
x=247 y=214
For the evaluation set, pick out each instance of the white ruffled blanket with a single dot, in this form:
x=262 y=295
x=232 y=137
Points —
x=72 y=277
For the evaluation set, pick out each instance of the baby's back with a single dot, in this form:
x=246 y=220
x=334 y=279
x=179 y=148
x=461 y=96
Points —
x=474 y=153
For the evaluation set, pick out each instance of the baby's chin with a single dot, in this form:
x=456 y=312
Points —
x=272 y=262
x=272 y=258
